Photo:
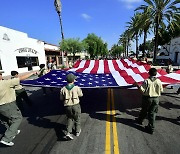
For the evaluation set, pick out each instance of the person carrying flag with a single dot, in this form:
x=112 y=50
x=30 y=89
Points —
x=70 y=94
x=151 y=90
x=10 y=115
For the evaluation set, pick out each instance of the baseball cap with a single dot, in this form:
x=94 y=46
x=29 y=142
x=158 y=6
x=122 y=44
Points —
x=70 y=77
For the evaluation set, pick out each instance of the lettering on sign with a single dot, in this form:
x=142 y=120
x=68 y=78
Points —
x=30 y=50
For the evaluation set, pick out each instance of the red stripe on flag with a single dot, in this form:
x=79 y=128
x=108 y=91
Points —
x=86 y=65
x=168 y=80
x=76 y=65
x=95 y=68
x=144 y=75
x=126 y=77
x=124 y=63
x=116 y=66
x=136 y=70
x=106 y=67
x=161 y=71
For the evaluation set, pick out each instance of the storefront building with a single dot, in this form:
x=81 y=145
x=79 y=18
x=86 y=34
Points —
x=19 y=52
x=53 y=53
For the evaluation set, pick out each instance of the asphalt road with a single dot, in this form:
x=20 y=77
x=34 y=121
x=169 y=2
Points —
x=107 y=125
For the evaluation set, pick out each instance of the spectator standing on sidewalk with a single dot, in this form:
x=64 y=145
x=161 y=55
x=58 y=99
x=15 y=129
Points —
x=54 y=67
x=20 y=93
x=49 y=65
x=151 y=90
x=10 y=115
x=70 y=95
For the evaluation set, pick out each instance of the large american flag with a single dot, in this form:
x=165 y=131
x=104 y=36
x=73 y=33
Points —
x=104 y=74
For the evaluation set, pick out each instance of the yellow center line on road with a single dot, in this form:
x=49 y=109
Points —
x=108 y=124
x=115 y=136
x=110 y=102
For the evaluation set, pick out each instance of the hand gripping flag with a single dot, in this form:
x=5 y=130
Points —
x=104 y=74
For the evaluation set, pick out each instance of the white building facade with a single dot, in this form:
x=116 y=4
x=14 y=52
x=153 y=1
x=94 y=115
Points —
x=19 y=52
x=171 y=51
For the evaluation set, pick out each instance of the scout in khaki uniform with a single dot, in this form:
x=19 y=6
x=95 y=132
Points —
x=10 y=115
x=42 y=72
x=70 y=95
x=20 y=93
x=151 y=90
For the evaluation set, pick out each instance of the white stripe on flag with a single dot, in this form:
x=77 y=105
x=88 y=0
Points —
x=119 y=79
x=142 y=69
x=120 y=64
x=135 y=65
x=130 y=63
x=137 y=77
x=101 y=67
x=81 y=65
x=175 y=76
x=91 y=66
x=111 y=66
x=129 y=71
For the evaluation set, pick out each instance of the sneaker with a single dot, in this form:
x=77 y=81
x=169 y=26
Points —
x=7 y=143
x=78 y=133
x=69 y=136
x=18 y=131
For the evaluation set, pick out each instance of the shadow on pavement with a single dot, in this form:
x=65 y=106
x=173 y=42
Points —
x=125 y=121
x=169 y=105
x=174 y=121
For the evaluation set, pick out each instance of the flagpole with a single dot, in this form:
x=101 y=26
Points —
x=57 y=4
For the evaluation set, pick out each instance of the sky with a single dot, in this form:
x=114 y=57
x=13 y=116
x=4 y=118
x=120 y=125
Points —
x=39 y=19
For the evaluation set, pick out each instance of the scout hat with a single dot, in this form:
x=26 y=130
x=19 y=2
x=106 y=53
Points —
x=70 y=77
x=13 y=73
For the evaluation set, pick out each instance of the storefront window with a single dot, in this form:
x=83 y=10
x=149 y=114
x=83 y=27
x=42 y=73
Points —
x=27 y=61
x=0 y=65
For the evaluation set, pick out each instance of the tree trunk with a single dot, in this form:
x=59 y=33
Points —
x=137 y=49
x=62 y=35
x=156 y=40
x=145 y=36
x=128 y=46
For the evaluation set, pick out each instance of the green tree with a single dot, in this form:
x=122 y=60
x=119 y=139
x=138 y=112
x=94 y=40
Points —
x=72 y=45
x=95 y=45
x=161 y=10
x=116 y=50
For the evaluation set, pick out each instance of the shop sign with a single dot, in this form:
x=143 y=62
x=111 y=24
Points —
x=30 y=50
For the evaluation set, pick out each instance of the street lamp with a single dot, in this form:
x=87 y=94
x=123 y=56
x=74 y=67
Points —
x=57 y=4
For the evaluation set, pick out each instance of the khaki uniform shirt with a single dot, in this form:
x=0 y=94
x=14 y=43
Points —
x=152 y=88
x=18 y=87
x=71 y=97
x=42 y=72
x=7 y=91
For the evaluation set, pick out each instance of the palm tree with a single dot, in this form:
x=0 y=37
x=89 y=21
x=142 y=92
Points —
x=145 y=23
x=123 y=40
x=134 y=29
x=160 y=10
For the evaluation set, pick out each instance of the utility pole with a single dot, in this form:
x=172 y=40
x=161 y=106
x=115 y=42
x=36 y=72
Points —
x=57 y=4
